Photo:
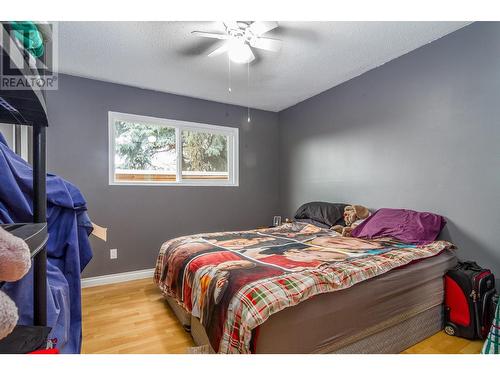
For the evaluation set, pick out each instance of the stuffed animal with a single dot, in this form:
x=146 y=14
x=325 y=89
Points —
x=15 y=262
x=352 y=215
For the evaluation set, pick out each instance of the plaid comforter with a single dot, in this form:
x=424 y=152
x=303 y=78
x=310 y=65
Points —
x=234 y=281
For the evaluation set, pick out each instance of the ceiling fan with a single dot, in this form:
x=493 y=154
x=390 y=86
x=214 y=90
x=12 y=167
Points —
x=241 y=37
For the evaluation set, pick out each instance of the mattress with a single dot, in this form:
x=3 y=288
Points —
x=235 y=281
x=342 y=321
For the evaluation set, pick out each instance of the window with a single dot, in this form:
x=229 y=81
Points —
x=17 y=137
x=152 y=151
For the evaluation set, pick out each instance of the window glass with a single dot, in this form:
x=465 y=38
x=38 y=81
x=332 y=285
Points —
x=204 y=155
x=144 y=152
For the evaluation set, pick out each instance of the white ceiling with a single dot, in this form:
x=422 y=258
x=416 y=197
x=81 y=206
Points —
x=164 y=56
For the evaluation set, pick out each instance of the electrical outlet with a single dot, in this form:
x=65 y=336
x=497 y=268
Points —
x=113 y=253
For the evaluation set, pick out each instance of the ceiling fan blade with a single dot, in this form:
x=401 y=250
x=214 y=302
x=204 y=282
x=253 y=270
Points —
x=210 y=35
x=219 y=50
x=252 y=56
x=267 y=44
x=261 y=27
x=230 y=24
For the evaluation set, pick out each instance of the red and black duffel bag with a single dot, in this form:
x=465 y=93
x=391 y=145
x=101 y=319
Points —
x=469 y=306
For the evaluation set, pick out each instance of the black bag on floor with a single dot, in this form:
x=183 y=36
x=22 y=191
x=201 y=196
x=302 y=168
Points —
x=469 y=306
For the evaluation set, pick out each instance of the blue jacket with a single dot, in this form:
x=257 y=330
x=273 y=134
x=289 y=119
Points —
x=68 y=248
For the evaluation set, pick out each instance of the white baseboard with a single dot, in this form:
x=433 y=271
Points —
x=117 y=278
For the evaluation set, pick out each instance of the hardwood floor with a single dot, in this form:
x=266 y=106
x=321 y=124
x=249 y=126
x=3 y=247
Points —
x=441 y=343
x=130 y=317
x=133 y=317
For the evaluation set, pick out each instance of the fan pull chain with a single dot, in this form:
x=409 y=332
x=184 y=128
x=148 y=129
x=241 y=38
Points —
x=248 y=91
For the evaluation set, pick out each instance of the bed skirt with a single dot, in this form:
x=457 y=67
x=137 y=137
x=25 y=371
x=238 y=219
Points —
x=181 y=314
x=402 y=334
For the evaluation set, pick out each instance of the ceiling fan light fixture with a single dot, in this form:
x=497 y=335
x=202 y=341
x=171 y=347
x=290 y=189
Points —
x=240 y=53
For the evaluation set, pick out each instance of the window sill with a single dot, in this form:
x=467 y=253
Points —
x=190 y=183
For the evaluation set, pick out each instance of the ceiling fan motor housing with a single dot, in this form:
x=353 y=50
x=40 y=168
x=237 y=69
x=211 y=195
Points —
x=242 y=32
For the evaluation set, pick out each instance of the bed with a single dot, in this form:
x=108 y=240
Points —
x=299 y=288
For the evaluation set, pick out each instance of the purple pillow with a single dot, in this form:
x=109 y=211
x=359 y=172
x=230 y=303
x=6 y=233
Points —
x=404 y=225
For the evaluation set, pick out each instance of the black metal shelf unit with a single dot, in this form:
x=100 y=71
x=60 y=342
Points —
x=28 y=107
x=34 y=234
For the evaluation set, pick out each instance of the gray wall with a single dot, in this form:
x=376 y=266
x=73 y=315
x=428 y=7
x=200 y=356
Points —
x=141 y=218
x=421 y=132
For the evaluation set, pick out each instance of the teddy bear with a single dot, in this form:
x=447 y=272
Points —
x=15 y=262
x=352 y=215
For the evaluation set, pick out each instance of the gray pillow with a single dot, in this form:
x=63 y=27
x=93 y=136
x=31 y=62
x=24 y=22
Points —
x=329 y=214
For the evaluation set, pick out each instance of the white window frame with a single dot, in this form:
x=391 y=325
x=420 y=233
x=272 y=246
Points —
x=230 y=132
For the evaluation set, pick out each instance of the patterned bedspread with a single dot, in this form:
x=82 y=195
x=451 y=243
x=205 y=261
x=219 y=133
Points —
x=234 y=281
